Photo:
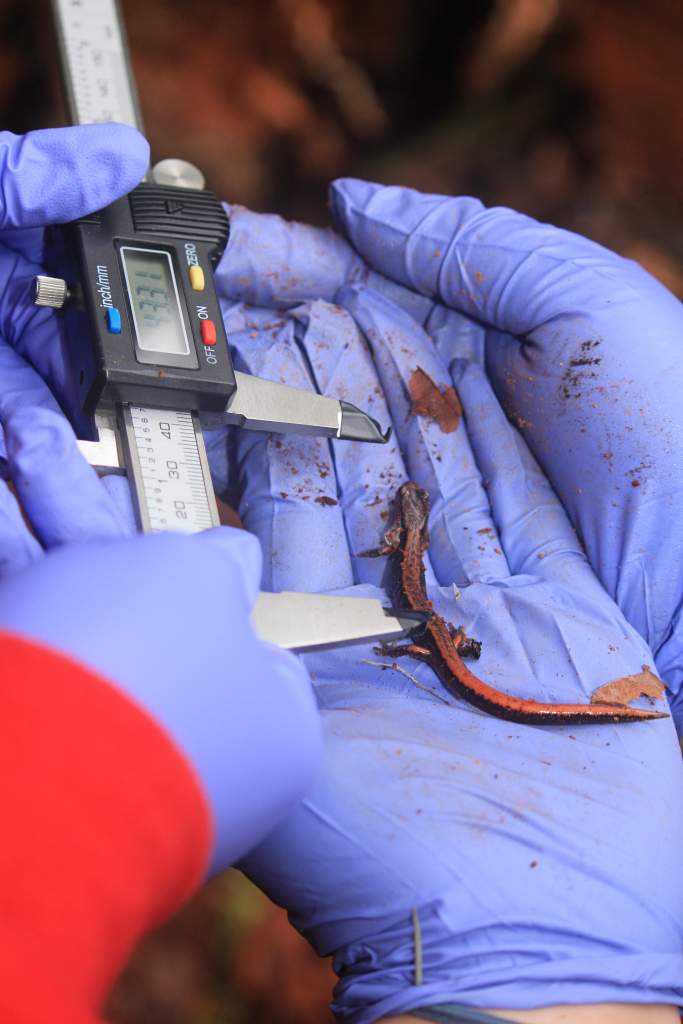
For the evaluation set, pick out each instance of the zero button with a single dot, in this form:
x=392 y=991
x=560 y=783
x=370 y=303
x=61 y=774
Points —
x=197 y=278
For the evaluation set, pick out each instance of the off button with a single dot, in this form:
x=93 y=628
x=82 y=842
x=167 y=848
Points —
x=197 y=278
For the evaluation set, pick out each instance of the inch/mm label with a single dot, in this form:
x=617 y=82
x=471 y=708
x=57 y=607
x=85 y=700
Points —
x=171 y=477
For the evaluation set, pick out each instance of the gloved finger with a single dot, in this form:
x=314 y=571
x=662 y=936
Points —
x=247 y=724
x=501 y=267
x=537 y=536
x=35 y=334
x=456 y=336
x=287 y=482
x=600 y=409
x=368 y=475
x=464 y=543
x=26 y=242
x=583 y=380
x=18 y=547
x=220 y=450
x=59 y=492
x=269 y=261
x=118 y=489
x=55 y=175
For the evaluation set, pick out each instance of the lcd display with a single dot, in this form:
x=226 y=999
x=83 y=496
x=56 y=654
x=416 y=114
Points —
x=153 y=294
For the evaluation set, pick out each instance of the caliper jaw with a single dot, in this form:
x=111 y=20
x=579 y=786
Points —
x=105 y=454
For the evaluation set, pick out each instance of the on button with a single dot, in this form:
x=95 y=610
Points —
x=208 y=332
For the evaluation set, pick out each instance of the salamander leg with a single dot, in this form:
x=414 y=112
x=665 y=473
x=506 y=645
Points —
x=466 y=645
x=390 y=544
x=403 y=651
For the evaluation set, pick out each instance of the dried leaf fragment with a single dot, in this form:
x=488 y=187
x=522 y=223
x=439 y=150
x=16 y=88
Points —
x=628 y=688
x=428 y=400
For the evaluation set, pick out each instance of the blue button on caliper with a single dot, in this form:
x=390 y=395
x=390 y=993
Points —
x=114 y=321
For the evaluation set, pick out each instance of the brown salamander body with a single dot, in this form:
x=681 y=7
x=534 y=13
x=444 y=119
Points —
x=443 y=646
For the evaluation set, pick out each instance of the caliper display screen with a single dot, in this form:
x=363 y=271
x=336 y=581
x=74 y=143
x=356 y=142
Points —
x=155 y=304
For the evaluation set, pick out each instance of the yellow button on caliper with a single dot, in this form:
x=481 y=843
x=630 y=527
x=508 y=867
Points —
x=197 y=278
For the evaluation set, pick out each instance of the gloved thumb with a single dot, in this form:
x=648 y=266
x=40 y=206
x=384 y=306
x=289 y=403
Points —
x=58 y=174
x=238 y=548
x=501 y=267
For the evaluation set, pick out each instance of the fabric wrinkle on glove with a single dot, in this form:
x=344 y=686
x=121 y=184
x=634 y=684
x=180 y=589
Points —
x=523 y=850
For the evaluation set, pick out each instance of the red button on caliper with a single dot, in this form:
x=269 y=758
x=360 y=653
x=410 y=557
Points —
x=208 y=332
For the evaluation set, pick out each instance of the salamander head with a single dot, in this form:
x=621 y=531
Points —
x=414 y=506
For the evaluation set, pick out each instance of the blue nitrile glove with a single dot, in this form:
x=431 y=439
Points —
x=164 y=618
x=542 y=864
x=50 y=177
x=155 y=616
x=584 y=350
x=590 y=371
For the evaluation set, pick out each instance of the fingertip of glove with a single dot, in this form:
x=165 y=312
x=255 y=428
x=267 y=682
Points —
x=125 y=137
x=298 y=705
x=243 y=552
x=119 y=150
x=38 y=435
x=346 y=195
x=118 y=489
x=362 y=301
x=58 y=174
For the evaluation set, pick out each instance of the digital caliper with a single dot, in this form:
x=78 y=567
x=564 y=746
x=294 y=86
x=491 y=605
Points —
x=148 y=345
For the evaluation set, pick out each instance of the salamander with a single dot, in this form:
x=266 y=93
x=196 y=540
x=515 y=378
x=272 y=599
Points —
x=443 y=646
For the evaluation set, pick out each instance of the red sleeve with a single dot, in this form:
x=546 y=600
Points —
x=104 y=833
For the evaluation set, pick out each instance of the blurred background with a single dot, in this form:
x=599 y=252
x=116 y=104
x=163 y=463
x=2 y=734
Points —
x=569 y=110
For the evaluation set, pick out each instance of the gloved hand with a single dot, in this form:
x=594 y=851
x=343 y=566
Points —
x=152 y=615
x=50 y=177
x=521 y=866
x=582 y=348
x=156 y=616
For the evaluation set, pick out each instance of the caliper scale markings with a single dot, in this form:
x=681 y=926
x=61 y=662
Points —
x=95 y=62
x=167 y=455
